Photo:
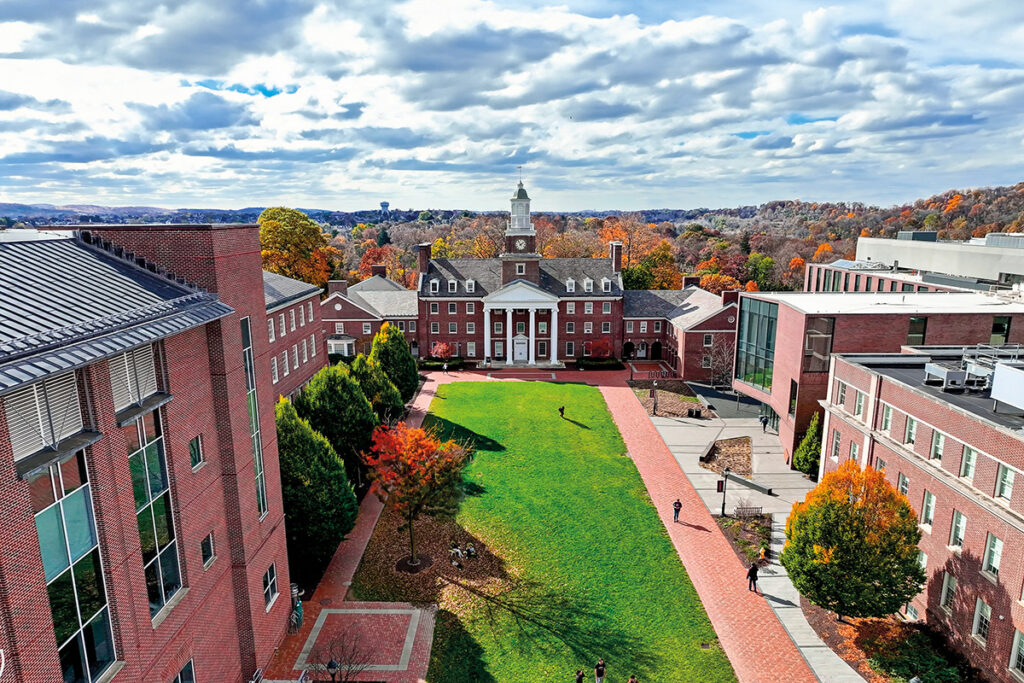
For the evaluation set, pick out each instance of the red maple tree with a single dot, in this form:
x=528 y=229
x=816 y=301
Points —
x=416 y=474
x=442 y=350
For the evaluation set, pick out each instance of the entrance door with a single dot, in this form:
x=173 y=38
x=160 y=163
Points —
x=656 y=351
x=641 y=350
x=520 y=347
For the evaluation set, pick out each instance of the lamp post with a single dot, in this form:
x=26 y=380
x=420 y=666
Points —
x=332 y=668
x=654 y=394
x=725 y=481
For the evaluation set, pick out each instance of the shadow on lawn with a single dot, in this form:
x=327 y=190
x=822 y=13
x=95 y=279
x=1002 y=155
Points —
x=447 y=429
x=578 y=424
x=460 y=659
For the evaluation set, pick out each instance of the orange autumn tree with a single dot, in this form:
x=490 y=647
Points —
x=823 y=251
x=751 y=286
x=638 y=237
x=796 y=265
x=291 y=244
x=851 y=545
x=717 y=283
x=416 y=474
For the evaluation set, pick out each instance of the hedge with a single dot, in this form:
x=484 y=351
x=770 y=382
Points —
x=599 y=364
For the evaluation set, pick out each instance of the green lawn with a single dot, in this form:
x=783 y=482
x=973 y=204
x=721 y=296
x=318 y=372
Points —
x=586 y=568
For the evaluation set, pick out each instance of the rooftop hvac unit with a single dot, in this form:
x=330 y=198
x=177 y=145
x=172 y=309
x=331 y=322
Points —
x=1008 y=385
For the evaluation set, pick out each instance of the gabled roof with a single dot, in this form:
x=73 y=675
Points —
x=681 y=307
x=486 y=273
x=377 y=283
x=401 y=303
x=279 y=290
x=65 y=304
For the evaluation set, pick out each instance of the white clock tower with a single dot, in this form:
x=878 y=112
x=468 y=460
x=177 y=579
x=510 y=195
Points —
x=519 y=260
x=520 y=223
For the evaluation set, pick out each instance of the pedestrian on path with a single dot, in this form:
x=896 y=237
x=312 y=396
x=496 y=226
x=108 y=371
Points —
x=579 y=675
x=676 y=507
x=561 y=412
x=599 y=671
x=764 y=424
x=752 y=577
x=444 y=368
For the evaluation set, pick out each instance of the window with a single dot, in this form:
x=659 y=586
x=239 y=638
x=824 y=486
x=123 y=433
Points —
x=433 y=308
x=339 y=328
x=606 y=285
x=709 y=339
x=1017 y=653
x=982 y=618
x=153 y=507
x=470 y=328
x=254 y=416
x=435 y=286
x=305 y=351
x=911 y=612
x=542 y=349
x=570 y=307
x=195 y=451
x=915 y=335
x=367 y=328
x=818 y=344
x=657 y=326
x=291 y=320
x=837 y=440
x=643 y=326
x=792 y=397
x=854 y=450
x=412 y=325
x=186 y=675
x=470 y=307
x=295 y=355
x=542 y=327
x=309 y=311
x=928 y=508
x=967 y=463
x=42 y=414
x=841 y=394
x=570 y=285
x=948 y=591
x=1004 y=483
x=588 y=285
x=903 y=484
x=520 y=269
x=206 y=549
x=938 y=444
x=606 y=307
x=629 y=326
x=61 y=499
x=886 y=418
x=755 y=342
x=910 y=433
x=606 y=327
x=922 y=559
x=879 y=464
x=471 y=348
x=401 y=325
x=453 y=328
x=270 y=586
x=435 y=328
x=520 y=328
x=858 y=404
x=273 y=370
x=470 y=286
x=453 y=286
x=499 y=349
x=570 y=327
x=957 y=529
x=498 y=327
x=1000 y=330
x=453 y=308
x=588 y=307
x=132 y=376
x=588 y=328
x=302 y=316
x=270 y=330
x=993 y=555
x=280 y=325
x=570 y=349
x=705 y=361
x=284 y=363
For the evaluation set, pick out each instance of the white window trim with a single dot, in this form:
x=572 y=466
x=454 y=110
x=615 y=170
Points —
x=435 y=286
x=453 y=286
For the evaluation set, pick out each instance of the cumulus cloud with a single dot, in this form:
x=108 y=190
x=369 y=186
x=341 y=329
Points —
x=201 y=111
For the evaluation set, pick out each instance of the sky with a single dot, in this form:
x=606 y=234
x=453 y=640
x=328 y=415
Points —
x=436 y=103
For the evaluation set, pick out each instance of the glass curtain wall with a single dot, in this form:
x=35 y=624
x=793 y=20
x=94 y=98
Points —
x=755 y=345
x=254 y=417
x=62 y=503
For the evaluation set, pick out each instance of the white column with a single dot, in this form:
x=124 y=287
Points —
x=533 y=337
x=554 y=334
x=487 y=332
x=508 y=335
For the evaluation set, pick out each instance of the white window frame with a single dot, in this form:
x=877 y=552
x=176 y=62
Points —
x=270 y=330
x=542 y=327
x=367 y=328
x=339 y=328
x=705 y=362
x=570 y=285
x=1017 y=655
x=470 y=307
x=434 y=308
x=588 y=328
x=295 y=355
x=837 y=442
x=858 y=404
x=542 y=349
x=948 y=594
x=570 y=349
x=927 y=509
x=453 y=328
x=281 y=331
x=968 y=462
x=957 y=530
x=470 y=286
x=606 y=285
x=453 y=308
x=213 y=550
x=312 y=345
x=273 y=370
x=993 y=555
x=270 y=590
x=606 y=307
x=886 y=425
x=841 y=393
x=499 y=327
x=570 y=308
x=903 y=484
x=309 y=312
x=588 y=308
x=412 y=325
x=657 y=326
x=520 y=269
x=284 y=363
x=435 y=328
x=588 y=285
x=471 y=328
x=709 y=339
x=982 y=610
x=471 y=349
x=305 y=350
x=937 y=447
x=643 y=326
x=291 y=320
x=606 y=327
x=854 y=450
x=435 y=286
x=499 y=348
x=302 y=316
x=1004 y=483
x=453 y=286
x=629 y=327
x=570 y=327
x=910 y=431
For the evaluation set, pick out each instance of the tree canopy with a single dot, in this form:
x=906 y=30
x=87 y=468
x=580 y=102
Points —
x=808 y=453
x=319 y=504
x=851 y=545
x=292 y=245
x=379 y=390
x=392 y=352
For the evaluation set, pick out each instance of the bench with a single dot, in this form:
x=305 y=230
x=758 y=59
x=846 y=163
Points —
x=747 y=511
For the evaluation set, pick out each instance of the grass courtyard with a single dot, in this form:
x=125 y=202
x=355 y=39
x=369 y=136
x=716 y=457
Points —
x=575 y=565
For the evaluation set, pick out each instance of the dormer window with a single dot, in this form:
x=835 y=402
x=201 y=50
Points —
x=453 y=286
x=435 y=286
x=470 y=286
x=588 y=285
x=570 y=285
x=606 y=285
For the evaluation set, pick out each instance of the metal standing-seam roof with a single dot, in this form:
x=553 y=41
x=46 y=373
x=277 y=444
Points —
x=279 y=290
x=64 y=305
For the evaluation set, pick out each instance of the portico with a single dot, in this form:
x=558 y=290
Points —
x=518 y=340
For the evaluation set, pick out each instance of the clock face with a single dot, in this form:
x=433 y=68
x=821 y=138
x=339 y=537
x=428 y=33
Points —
x=520 y=244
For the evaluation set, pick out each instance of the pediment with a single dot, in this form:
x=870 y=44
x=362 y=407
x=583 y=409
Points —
x=520 y=292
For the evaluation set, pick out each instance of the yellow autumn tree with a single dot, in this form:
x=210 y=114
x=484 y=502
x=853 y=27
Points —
x=292 y=245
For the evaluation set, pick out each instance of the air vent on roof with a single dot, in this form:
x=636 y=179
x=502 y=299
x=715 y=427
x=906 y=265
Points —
x=1008 y=385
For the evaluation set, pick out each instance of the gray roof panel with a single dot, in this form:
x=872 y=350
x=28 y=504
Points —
x=279 y=290
x=553 y=274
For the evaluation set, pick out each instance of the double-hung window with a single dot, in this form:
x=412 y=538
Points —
x=993 y=555
x=270 y=330
x=886 y=418
x=629 y=326
x=967 y=463
x=928 y=508
x=957 y=529
x=1004 y=483
x=948 y=591
x=858 y=404
x=270 y=586
x=910 y=433
x=837 y=440
x=902 y=483
x=938 y=445
x=982 y=620
x=606 y=307
x=588 y=307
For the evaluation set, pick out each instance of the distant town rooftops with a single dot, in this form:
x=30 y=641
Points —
x=910 y=303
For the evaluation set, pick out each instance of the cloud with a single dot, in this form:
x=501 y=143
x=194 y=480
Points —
x=201 y=111
x=90 y=149
x=10 y=101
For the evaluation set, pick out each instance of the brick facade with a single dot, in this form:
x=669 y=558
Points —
x=825 y=277
x=298 y=334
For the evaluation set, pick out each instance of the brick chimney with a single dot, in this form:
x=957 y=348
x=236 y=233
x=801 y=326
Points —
x=339 y=286
x=691 y=281
x=615 y=254
x=423 y=257
x=730 y=296
x=378 y=269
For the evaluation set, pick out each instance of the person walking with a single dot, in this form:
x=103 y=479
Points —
x=676 y=507
x=561 y=412
x=764 y=424
x=579 y=675
x=599 y=671
x=444 y=368
x=752 y=577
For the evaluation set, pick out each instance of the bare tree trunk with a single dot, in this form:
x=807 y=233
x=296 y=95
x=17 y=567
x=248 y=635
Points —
x=412 y=546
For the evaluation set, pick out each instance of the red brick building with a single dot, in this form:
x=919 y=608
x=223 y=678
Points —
x=295 y=332
x=139 y=485
x=353 y=315
x=871 y=276
x=947 y=427
x=785 y=339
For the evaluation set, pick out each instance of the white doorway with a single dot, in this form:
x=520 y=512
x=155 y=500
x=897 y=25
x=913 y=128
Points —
x=520 y=349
